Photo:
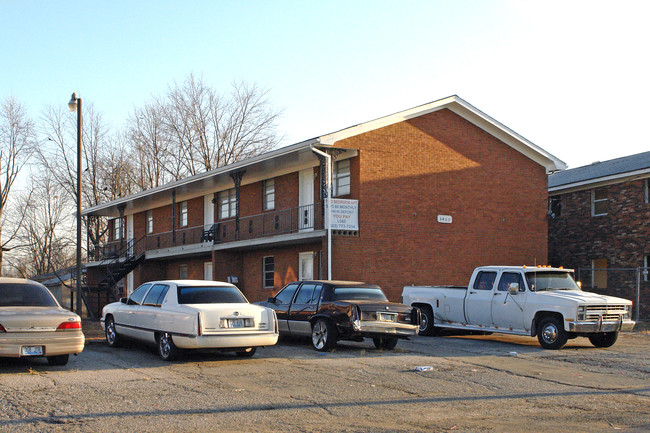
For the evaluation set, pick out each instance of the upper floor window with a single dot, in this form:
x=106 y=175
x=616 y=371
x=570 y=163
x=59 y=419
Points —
x=149 y=221
x=269 y=194
x=599 y=201
x=182 y=215
x=554 y=206
x=227 y=201
x=341 y=178
x=117 y=228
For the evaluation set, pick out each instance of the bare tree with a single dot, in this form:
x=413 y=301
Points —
x=195 y=129
x=17 y=144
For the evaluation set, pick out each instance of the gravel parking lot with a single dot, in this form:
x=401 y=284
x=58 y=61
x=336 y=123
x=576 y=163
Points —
x=474 y=384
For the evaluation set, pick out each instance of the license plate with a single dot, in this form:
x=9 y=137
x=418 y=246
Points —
x=387 y=317
x=31 y=350
x=236 y=323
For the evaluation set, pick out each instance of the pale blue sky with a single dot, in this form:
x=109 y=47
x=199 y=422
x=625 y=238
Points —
x=571 y=76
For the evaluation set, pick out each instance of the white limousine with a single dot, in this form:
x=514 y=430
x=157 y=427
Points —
x=189 y=314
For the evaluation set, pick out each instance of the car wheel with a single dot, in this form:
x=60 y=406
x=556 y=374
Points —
x=604 y=339
x=551 y=334
x=248 y=353
x=166 y=347
x=385 y=343
x=58 y=360
x=323 y=335
x=427 y=326
x=112 y=339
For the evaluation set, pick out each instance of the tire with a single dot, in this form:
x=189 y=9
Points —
x=427 y=326
x=247 y=353
x=385 y=343
x=604 y=339
x=112 y=338
x=167 y=350
x=551 y=333
x=58 y=360
x=323 y=335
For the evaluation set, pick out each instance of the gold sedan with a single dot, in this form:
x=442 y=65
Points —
x=32 y=323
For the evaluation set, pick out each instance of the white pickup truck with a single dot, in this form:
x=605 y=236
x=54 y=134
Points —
x=537 y=301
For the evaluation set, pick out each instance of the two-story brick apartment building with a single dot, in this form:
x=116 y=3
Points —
x=599 y=218
x=439 y=189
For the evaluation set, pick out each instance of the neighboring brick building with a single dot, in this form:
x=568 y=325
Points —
x=441 y=188
x=599 y=218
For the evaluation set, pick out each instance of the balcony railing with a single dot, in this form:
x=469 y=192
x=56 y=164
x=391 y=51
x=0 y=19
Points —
x=287 y=221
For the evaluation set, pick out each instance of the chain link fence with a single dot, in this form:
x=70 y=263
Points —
x=627 y=283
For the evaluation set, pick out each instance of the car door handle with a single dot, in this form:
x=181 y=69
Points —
x=497 y=294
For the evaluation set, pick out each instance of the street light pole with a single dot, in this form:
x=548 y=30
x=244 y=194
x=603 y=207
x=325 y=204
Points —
x=75 y=105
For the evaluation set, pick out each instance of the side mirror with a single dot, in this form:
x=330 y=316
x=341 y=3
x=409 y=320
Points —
x=123 y=300
x=271 y=300
x=513 y=288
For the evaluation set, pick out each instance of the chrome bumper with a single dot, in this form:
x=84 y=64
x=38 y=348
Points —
x=376 y=327
x=601 y=326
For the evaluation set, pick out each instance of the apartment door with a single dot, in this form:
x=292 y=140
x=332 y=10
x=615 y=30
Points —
x=306 y=266
x=129 y=234
x=208 y=210
x=207 y=271
x=306 y=200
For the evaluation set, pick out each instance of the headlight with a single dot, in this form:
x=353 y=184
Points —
x=628 y=309
x=581 y=312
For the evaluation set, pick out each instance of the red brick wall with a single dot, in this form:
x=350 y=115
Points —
x=440 y=164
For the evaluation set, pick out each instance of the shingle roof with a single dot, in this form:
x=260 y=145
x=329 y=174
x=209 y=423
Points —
x=598 y=170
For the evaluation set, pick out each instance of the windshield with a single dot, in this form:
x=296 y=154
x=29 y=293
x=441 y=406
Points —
x=358 y=293
x=25 y=295
x=540 y=281
x=210 y=295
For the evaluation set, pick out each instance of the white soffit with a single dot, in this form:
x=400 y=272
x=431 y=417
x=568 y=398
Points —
x=469 y=113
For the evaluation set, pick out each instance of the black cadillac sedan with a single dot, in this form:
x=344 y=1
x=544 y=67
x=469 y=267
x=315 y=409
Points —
x=329 y=311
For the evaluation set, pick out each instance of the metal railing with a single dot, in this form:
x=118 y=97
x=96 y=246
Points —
x=286 y=221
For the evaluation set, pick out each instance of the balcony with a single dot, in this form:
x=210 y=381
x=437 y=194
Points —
x=299 y=221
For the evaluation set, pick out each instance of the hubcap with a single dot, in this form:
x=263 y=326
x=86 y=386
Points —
x=549 y=333
x=164 y=345
x=319 y=335
x=110 y=332
x=424 y=323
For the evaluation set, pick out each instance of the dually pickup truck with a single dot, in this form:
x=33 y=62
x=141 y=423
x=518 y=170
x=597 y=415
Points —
x=537 y=301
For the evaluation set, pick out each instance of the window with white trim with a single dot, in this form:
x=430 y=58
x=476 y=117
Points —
x=182 y=214
x=268 y=271
x=149 y=221
x=269 y=194
x=117 y=227
x=341 y=180
x=599 y=201
x=227 y=203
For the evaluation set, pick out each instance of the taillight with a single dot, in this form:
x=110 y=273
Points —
x=198 y=323
x=2 y=329
x=275 y=323
x=69 y=325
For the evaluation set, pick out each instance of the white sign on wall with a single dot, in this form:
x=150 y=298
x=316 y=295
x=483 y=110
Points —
x=444 y=219
x=344 y=214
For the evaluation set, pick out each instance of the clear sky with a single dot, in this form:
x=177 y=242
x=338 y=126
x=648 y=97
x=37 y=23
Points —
x=573 y=77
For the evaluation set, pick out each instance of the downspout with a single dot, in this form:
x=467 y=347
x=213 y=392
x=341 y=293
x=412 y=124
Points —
x=328 y=182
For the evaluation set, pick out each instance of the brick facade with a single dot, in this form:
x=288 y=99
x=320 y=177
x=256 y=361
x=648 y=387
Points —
x=622 y=237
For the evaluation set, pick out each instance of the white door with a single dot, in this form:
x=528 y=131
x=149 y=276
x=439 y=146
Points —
x=478 y=303
x=306 y=200
x=208 y=211
x=129 y=233
x=207 y=271
x=306 y=266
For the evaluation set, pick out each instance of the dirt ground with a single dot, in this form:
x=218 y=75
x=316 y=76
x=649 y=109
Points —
x=490 y=383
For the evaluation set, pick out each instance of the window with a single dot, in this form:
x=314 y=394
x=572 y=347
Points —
x=286 y=295
x=646 y=266
x=149 y=222
x=646 y=187
x=156 y=295
x=358 y=293
x=182 y=272
x=227 y=201
x=182 y=214
x=210 y=295
x=268 y=271
x=117 y=226
x=341 y=179
x=508 y=278
x=305 y=294
x=138 y=294
x=554 y=207
x=599 y=273
x=269 y=194
x=599 y=201
x=485 y=280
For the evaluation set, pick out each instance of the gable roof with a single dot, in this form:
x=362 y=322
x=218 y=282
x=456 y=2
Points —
x=300 y=155
x=468 y=112
x=610 y=171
